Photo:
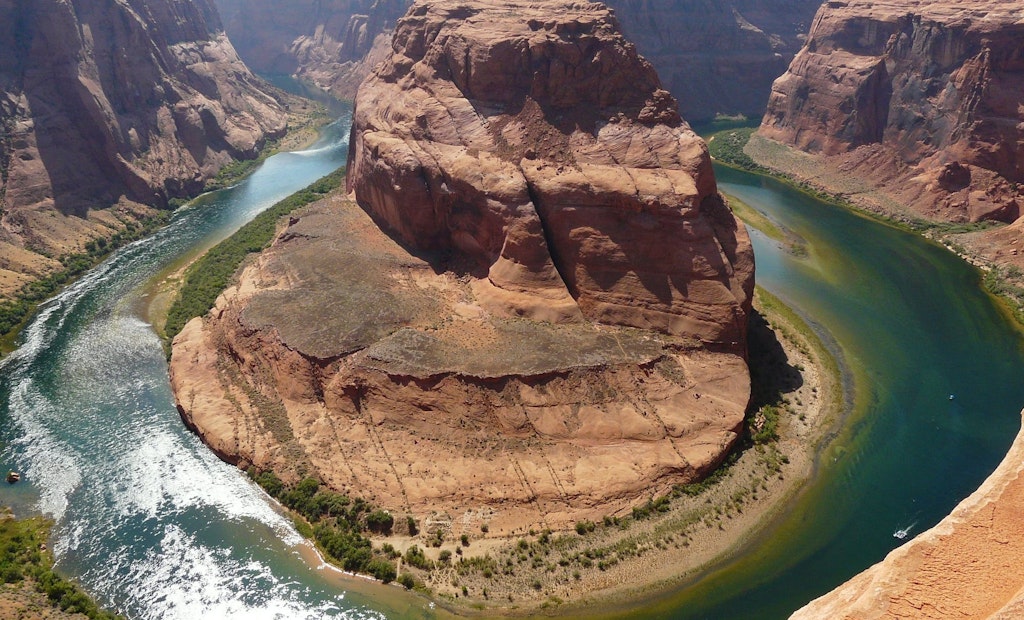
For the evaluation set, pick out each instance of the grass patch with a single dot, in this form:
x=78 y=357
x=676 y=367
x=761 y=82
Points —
x=727 y=147
x=210 y=275
x=23 y=559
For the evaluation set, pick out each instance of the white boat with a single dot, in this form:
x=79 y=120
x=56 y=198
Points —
x=901 y=534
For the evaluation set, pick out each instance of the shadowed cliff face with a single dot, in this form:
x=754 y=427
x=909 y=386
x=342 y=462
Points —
x=715 y=57
x=554 y=327
x=100 y=100
x=933 y=91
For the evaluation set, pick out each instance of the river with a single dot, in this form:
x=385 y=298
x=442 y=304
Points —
x=153 y=525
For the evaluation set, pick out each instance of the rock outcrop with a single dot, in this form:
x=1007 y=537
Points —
x=923 y=98
x=733 y=50
x=110 y=101
x=967 y=566
x=555 y=328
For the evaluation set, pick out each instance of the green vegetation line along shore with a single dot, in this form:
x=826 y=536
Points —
x=206 y=278
x=14 y=313
x=1004 y=283
x=29 y=581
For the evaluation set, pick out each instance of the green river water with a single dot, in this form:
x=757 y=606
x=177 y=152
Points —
x=156 y=527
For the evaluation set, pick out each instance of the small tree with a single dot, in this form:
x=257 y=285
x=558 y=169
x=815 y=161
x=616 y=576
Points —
x=380 y=521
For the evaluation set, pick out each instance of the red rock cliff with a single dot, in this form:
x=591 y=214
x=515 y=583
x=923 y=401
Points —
x=99 y=100
x=930 y=93
x=546 y=152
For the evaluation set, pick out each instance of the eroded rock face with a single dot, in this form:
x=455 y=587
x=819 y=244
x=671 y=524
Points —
x=539 y=145
x=717 y=57
x=553 y=328
x=924 y=96
x=142 y=100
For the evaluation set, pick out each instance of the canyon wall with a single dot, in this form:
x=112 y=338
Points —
x=334 y=44
x=921 y=98
x=537 y=316
x=106 y=103
x=732 y=50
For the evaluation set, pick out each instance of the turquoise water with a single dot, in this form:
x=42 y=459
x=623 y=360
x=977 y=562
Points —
x=151 y=523
x=914 y=327
x=147 y=519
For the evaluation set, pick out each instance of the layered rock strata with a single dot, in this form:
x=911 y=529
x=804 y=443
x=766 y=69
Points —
x=113 y=102
x=922 y=98
x=967 y=566
x=732 y=50
x=554 y=327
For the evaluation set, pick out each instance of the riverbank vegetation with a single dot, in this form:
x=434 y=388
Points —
x=29 y=583
x=337 y=524
x=206 y=278
x=14 y=312
x=1006 y=282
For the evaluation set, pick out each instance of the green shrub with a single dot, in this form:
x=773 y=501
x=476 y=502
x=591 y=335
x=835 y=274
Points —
x=380 y=521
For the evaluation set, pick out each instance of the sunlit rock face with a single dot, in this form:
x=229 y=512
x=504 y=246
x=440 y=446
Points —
x=927 y=95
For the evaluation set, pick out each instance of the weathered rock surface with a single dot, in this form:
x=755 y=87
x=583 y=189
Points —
x=536 y=143
x=923 y=98
x=967 y=566
x=733 y=50
x=544 y=201
x=109 y=101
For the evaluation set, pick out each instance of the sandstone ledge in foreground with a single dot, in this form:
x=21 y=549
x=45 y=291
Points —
x=967 y=566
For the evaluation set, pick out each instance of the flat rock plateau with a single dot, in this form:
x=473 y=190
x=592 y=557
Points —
x=532 y=307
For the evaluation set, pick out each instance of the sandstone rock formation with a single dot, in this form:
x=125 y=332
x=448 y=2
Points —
x=967 y=566
x=555 y=328
x=732 y=50
x=925 y=98
x=110 y=101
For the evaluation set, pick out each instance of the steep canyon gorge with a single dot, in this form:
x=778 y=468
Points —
x=714 y=57
x=915 y=109
x=108 y=108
